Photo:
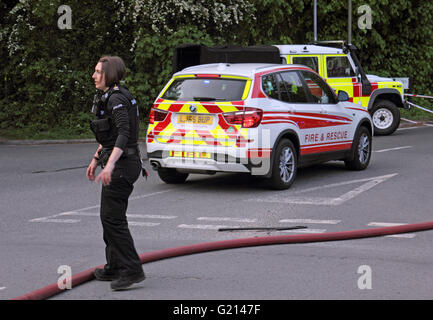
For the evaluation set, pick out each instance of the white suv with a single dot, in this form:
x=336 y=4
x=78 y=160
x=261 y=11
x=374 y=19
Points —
x=262 y=119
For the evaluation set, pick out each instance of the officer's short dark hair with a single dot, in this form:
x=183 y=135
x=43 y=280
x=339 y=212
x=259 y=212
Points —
x=114 y=69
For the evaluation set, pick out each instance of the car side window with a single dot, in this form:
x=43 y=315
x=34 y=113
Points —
x=294 y=87
x=339 y=67
x=270 y=87
x=311 y=62
x=320 y=91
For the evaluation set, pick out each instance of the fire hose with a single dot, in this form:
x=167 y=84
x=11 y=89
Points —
x=87 y=275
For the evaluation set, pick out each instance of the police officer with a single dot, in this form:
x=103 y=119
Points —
x=116 y=129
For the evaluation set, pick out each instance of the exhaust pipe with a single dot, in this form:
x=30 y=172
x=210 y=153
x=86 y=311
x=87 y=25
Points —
x=155 y=164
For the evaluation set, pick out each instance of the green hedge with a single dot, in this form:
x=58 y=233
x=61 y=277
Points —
x=46 y=80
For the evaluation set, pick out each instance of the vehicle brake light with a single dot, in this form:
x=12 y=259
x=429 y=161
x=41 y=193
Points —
x=157 y=115
x=208 y=75
x=248 y=118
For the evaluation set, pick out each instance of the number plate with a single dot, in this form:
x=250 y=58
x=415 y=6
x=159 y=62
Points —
x=194 y=119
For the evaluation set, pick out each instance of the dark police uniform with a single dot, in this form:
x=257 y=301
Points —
x=116 y=125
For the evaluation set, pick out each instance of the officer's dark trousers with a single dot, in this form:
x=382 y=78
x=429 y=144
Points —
x=120 y=250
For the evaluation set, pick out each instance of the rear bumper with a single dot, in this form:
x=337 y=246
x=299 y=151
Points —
x=196 y=165
x=218 y=161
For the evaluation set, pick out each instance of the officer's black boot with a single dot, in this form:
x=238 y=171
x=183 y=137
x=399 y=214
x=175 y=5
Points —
x=106 y=274
x=126 y=280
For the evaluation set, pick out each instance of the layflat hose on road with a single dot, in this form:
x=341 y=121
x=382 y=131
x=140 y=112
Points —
x=87 y=275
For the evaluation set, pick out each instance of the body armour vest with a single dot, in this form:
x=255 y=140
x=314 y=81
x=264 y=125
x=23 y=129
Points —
x=116 y=122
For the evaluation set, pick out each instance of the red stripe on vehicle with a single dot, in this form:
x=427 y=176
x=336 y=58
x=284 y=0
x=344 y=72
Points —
x=162 y=125
x=357 y=109
x=320 y=149
x=212 y=108
x=259 y=153
x=205 y=135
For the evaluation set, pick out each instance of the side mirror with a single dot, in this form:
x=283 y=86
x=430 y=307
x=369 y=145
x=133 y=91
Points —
x=343 y=96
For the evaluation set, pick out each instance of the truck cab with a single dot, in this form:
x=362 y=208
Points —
x=338 y=64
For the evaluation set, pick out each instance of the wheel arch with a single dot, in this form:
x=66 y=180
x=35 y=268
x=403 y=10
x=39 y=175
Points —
x=365 y=122
x=392 y=95
x=291 y=135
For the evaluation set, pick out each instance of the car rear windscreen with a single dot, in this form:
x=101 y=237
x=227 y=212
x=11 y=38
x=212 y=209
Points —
x=205 y=89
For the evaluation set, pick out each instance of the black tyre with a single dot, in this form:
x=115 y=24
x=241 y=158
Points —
x=362 y=148
x=172 y=176
x=284 y=165
x=385 y=116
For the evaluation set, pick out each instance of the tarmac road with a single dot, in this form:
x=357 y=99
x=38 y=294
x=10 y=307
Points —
x=50 y=219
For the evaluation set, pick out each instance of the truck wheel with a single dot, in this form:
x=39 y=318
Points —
x=362 y=147
x=172 y=176
x=385 y=116
x=284 y=165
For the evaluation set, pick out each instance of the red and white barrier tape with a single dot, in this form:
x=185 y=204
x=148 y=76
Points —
x=417 y=96
x=419 y=107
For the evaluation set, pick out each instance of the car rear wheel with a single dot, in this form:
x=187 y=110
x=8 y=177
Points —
x=284 y=165
x=172 y=176
x=362 y=147
x=386 y=117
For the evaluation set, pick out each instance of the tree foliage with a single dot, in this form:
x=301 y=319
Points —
x=46 y=80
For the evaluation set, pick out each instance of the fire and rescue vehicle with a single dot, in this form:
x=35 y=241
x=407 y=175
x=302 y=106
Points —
x=257 y=118
x=338 y=63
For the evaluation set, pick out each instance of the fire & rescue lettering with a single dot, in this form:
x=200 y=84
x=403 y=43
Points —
x=328 y=136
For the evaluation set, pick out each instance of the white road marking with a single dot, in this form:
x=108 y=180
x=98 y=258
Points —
x=143 y=224
x=402 y=235
x=304 y=231
x=204 y=226
x=79 y=212
x=131 y=198
x=227 y=219
x=150 y=194
x=338 y=184
x=392 y=224
x=385 y=224
x=393 y=149
x=2 y=288
x=310 y=221
x=132 y=215
x=284 y=198
x=47 y=219
x=150 y=216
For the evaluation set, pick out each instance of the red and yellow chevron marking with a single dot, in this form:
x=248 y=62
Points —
x=223 y=134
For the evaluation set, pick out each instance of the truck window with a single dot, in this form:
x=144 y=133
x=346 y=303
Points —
x=311 y=62
x=339 y=67
x=320 y=91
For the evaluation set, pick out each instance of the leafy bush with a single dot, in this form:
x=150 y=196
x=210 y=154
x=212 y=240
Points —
x=47 y=83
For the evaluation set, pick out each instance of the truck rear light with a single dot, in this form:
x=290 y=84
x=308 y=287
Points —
x=248 y=118
x=157 y=115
